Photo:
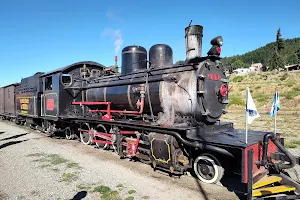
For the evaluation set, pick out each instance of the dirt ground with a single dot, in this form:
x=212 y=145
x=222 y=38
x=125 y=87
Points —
x=34 y=166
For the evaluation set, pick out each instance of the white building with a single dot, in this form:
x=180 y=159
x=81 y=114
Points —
x=241 y=71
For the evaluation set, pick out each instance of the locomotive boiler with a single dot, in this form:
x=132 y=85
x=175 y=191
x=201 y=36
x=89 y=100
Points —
x=162 y=91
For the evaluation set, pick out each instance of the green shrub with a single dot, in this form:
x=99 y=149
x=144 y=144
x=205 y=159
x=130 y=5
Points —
x=257 y=87
x=261 y=97
x=236 y=101
x=297 y=142
x=292 y=93
x=237 y=79
x=251 y=75
x=296 y=89
x=289 y=144
x=284 y=76
x=291 y=83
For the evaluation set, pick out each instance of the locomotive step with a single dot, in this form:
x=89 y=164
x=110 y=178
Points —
x=266 y=181
x=272 y=190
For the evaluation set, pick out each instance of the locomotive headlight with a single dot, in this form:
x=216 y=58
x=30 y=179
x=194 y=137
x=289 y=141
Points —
x=217 y=41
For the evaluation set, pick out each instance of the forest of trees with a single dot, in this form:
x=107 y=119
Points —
x=274 y=55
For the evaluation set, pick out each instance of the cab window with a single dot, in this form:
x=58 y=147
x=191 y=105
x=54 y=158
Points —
x=48 y=83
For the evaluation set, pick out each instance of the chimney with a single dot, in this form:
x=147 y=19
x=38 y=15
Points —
x=116 y=60
x=193 y=41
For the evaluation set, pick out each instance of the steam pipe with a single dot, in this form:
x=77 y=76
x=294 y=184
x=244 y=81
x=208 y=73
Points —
x=278 y=166
x=287 y=153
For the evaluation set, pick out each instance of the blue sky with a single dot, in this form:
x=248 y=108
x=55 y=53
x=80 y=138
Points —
x=38 y=35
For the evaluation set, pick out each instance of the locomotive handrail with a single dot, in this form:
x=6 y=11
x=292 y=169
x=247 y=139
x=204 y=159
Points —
x=118 y=84
x=147 y=71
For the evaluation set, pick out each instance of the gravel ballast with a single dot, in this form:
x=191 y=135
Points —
x=34 y=166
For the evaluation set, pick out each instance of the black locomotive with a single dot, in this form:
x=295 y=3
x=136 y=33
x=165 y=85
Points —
x=163 y=114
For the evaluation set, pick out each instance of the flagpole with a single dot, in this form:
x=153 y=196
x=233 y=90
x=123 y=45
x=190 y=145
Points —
x=246 y=115
x=275 y=118
x=275 y=123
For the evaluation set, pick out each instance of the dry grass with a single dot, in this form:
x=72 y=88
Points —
x=287 y=124
x=262 y=91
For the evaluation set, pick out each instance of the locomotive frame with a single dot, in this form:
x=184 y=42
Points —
x=122 y=112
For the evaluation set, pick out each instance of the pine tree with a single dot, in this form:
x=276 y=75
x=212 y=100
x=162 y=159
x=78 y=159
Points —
x=298 y=55
x=279 y=41
x=276 y=60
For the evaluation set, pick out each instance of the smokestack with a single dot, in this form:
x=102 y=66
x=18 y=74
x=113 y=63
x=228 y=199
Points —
x=116 y=60
x=193 y=41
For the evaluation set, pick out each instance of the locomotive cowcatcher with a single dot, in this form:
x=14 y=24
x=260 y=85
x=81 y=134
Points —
x=160 y=113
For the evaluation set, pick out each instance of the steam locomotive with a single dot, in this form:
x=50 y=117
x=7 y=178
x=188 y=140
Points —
x=163 y=114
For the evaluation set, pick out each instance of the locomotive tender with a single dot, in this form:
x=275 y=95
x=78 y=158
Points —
x=163 y=114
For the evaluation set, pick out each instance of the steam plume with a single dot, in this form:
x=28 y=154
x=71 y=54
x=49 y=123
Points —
x=116 y=36
x=118 y=40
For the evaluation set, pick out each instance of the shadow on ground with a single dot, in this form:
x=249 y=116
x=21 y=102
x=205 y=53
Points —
x=14 y=137
x=231 y=182
x=11 y=143
x=80 y=195
x=201 y=189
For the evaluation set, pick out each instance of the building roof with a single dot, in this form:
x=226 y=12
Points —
x=293 y=65
x=256 y=64
x=15 y=84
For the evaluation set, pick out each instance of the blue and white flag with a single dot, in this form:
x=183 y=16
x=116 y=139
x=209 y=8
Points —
x=251 y=109
x=276 y=104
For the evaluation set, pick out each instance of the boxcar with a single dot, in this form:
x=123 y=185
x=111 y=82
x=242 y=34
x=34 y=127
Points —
x=8 y=109
x=1 y=101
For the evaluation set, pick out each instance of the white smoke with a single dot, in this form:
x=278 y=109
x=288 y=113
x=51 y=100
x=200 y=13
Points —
x=116 y=36
x=118 y=41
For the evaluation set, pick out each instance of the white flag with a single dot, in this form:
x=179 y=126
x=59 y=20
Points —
x=251 y=109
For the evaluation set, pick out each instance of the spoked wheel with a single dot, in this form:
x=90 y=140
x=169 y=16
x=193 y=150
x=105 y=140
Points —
x=102 y=129
x=84 y=136
x=17 y=122
x=69 y=133
x=118 y=146
x=49 y=128
x=208 y=168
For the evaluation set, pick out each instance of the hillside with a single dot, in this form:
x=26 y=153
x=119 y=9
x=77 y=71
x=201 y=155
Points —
x=262 y=92
x=263 y=54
